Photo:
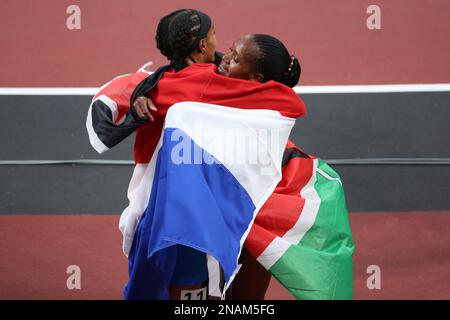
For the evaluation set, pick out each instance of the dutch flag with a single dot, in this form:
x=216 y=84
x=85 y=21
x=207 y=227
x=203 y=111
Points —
x=212 y=171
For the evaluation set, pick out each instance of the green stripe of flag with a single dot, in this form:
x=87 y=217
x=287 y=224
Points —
x=321 y=265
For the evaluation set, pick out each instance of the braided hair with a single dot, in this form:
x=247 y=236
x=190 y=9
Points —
x=179 y=34
x=274 y=61
x=162 y=34
x=183 y=32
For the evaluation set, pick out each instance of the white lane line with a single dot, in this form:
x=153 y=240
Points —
x=382 y=88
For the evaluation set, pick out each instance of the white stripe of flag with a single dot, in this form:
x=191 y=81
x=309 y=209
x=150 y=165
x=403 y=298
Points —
x=279 y=246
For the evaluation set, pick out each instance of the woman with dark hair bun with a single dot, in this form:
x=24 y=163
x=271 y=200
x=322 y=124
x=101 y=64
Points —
x=274 y=57
x=261 y=57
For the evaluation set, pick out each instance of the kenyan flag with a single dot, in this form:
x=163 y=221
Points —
x=302 y=233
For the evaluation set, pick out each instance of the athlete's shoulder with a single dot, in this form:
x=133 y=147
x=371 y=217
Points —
x=286 y=99
x=118 y=84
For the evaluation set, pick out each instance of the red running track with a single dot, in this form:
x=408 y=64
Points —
x=334 y=46
x=412 y=250
x=330 y=37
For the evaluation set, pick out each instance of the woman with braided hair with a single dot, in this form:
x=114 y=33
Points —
x=191 y=39
x=184 y=37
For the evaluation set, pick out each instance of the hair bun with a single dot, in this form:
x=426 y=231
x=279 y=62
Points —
x=292 y=75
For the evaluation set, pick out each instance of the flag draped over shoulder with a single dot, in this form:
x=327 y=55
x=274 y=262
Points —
x=108 y=120
x=302 y=233
x=207 y=185
x=296 y=227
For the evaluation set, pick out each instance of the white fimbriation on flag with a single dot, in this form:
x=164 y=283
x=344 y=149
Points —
x=280 y=245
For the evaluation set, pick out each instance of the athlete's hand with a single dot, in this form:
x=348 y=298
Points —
x=144 y=108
